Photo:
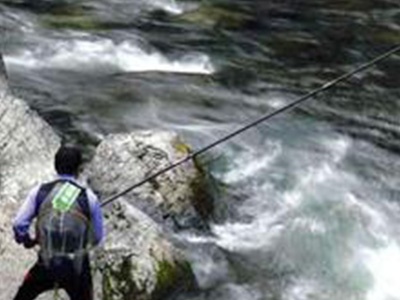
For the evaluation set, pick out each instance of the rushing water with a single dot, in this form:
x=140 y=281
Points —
x=307 y=206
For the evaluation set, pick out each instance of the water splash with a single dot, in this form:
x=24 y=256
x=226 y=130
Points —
x=384 y=265
x=91 y=55
x=315 y=226
x=245 y=166
x=170 y=6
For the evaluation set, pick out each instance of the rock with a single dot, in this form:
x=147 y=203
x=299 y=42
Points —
x=27 y=148
x=138 y=261
x=214 y=16
x=177 y=198
x=3 y=79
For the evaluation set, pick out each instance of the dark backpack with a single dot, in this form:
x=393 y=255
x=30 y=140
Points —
x=63 y=226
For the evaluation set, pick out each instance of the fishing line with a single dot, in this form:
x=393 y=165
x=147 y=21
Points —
x=264 y=118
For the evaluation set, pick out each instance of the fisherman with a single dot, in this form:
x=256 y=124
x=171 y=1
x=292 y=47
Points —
x=68 y=222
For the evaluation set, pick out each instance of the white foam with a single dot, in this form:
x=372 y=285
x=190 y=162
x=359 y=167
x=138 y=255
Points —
x=277 y=102
x=195 y=238
x=238 y=292
x=338 y=147
x=384 y=266
x=170 y=6
x=248 y=164
x=373 y=220
x=312 y=225
x=309 y=182
x=236 y=237
x=301 y=290
x=125 y=56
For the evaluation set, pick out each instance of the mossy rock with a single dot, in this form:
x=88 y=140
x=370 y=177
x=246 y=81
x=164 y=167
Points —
x=73 y=22
x=202 y=199
x=119 y=280
x=80 y=21
x=214 y=16
x=181 y=147
x=172 y=278
x=385 y=36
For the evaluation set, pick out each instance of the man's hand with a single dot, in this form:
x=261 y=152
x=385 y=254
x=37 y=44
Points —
x=30 y=243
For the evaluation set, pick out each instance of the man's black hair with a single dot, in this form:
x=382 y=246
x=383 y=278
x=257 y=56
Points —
x=68 y=160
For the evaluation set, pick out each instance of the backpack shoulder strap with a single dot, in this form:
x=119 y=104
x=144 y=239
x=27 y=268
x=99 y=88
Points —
x=60 y=196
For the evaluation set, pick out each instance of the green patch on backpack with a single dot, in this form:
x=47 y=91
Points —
x=65 y=197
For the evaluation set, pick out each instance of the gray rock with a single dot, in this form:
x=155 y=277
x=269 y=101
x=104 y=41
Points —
x=177 y=198
x=3 y=78
x=27 y=147
x=138 y=260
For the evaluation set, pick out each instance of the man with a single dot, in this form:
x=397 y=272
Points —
x=68 y=221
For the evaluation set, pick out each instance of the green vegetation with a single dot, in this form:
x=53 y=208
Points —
x=209 y=15
x=172 y=277
x=181 y=147
x=119 y=282
x=202 y=199
x=72 y=22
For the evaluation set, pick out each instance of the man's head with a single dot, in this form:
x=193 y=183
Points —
x=68 y=160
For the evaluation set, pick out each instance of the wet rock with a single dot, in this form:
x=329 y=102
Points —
x=72 y=22
x=27 y=147
x=177 y=198
x=138 y=260
x=208 y=15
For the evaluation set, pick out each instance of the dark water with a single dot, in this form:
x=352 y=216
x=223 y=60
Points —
x=308 y=204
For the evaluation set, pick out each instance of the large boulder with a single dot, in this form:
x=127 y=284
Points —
x=27 y=147
x=138 y=261
x=177 y=198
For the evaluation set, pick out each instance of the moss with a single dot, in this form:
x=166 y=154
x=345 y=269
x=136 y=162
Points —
x=385 y=36
x=203 y=200
x=80 y=20
x=66 y=9
x=165 y=274
x=181 y=147
x=118 y=282
x=72 y=22
x=209 y=15
x=173 y=277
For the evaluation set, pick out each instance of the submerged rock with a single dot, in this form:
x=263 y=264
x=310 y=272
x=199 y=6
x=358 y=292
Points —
x=27 y=148
x=210 y=15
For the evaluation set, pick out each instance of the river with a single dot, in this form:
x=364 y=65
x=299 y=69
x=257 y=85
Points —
x=306 y=205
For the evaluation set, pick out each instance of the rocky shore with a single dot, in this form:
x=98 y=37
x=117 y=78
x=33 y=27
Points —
x=137 y=259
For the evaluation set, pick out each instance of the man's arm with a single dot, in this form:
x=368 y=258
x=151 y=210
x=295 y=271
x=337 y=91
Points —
x=96 y=215
x=24 y=218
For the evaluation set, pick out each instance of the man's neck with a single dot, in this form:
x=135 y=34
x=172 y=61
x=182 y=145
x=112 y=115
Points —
x=67 y=176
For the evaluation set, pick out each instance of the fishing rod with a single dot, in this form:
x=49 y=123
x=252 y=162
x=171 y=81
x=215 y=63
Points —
x=264 y=118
